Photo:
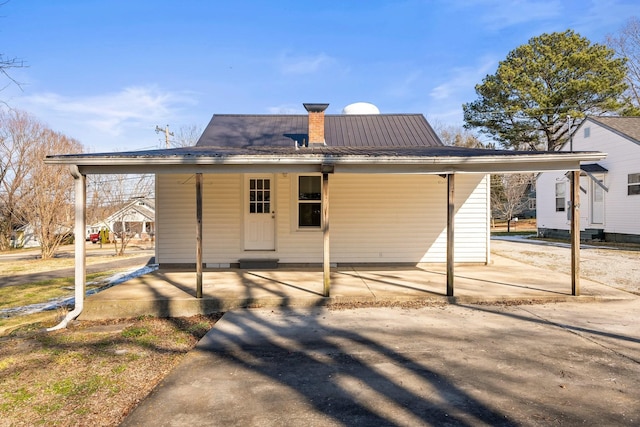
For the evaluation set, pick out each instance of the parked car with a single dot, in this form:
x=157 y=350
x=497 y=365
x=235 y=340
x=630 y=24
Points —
x=94 y=237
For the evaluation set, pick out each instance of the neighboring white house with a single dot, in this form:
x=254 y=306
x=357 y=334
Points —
x=610 y=188
x=136 y=217
x=25 y=237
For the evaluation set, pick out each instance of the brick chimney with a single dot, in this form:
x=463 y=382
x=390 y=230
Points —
x=316 y=122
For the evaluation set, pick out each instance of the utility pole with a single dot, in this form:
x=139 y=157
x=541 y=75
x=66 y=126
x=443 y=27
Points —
x=166 y=133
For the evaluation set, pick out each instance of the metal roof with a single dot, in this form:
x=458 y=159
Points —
x=593 y=168
x=371 y=130
x=380 y=143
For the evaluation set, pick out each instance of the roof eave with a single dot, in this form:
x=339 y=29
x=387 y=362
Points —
x=312 y=162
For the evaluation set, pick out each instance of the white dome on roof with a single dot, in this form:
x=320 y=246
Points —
x=360 y=108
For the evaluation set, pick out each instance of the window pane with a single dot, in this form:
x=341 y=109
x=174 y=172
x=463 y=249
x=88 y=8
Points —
x=259 y=184
x=309 y=188
x=267 y=184
x=309 y=214
x=252 y=208
x=258 y=207
x=560 y=205
x=634 y=178
x=560 y=188
x=634 y=189
x=598 y=193
x=252 y=184
x=267 y=208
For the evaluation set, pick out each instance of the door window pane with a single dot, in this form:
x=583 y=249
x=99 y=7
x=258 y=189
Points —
x=259 y=195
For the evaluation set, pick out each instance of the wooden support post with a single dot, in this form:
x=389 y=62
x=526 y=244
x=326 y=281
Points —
x=575 y=233
x=198 y=235
x=326 y=251
x=450 y=232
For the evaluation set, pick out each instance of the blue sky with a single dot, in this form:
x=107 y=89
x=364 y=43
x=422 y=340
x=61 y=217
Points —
x=107 y=72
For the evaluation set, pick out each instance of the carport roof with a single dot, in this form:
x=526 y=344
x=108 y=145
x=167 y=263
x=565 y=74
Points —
x=410 y=159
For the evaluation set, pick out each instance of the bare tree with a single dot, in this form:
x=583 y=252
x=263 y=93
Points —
x=509 y=195
x=187 y=136
x=457 y=136
x=20 y=133
x=47 y=197
x=627 y=45
x=7 y=63
x=108 y=196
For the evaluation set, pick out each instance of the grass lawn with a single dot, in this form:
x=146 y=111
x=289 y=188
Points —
x=91 y=373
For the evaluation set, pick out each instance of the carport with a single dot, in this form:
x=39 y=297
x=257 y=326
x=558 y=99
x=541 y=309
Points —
x=444 y=161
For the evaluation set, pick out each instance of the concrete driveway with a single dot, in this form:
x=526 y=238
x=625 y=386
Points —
x=536 y=365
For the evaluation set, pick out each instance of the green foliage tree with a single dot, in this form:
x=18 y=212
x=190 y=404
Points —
x=545 y=86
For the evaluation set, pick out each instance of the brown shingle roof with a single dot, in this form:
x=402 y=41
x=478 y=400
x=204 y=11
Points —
x=383 y=130
x=627 y=126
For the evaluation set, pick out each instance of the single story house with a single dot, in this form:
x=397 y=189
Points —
x=136 y=218
x=610 y=188
x=316 y=189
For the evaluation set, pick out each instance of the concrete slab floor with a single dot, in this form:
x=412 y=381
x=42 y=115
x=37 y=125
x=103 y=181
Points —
x=172 y=293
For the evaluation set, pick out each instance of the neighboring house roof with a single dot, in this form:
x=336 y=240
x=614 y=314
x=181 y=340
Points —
x=594 y=168
x=379 y=130
x=628 y=127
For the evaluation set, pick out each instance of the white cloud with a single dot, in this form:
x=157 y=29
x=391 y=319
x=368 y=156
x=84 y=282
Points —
x=108 y=112
x=286 y=109
x=406 y=86
x=304 y=64
x=500 y=14
x=463 y=79
x=104 y=122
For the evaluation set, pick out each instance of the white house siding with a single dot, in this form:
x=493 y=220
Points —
x=546 y=215
x=175 y=219
x=402 y=218
x=373 y=218
x=620 y=209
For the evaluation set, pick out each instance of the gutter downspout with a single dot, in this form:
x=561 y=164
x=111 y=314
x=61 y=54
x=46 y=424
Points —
x=80 y=247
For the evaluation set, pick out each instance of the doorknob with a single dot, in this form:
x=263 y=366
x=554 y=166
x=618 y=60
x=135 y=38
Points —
x=273 y=214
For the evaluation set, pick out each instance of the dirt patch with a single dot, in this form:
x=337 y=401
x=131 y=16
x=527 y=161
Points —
x=612 y=267
x=93 y=373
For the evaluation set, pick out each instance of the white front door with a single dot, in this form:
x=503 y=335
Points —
x=597 y=203
x=259 y=213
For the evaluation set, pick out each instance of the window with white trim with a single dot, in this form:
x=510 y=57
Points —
x=634 y=184
x=309 y=201
x=560 y=196
x=587 y=132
